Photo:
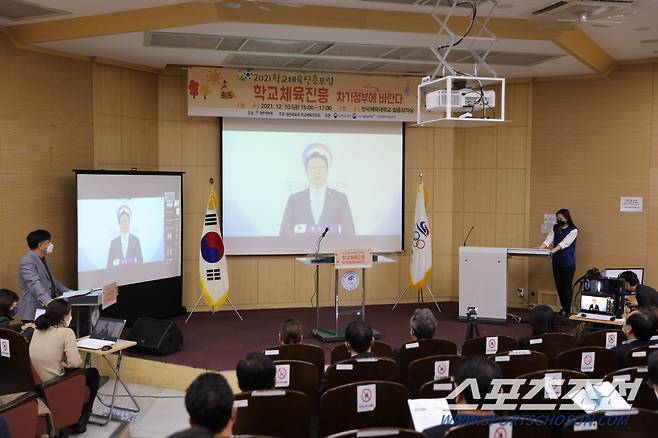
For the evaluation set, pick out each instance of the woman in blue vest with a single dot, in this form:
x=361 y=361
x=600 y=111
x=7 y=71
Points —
x=562 y=241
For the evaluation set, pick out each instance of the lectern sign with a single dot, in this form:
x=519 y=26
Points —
x=110 y=294
x=353 y=258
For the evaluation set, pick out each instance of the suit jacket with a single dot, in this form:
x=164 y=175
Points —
x=594 y=307
x=623 y=348
x=133 y=252
x=646 y=296
x=35 y=286
x=336 y=211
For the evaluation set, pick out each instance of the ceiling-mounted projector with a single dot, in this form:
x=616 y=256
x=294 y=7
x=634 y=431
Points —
x=462 y=100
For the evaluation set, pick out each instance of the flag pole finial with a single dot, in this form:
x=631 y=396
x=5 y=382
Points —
x=420 y=175
x=211 y=180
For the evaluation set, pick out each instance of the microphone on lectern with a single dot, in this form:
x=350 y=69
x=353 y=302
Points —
x=468 y=235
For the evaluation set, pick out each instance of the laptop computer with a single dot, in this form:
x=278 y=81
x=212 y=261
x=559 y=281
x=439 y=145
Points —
x=105 y=332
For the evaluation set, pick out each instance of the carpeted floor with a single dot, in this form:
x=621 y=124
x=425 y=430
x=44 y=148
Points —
x=219 y=341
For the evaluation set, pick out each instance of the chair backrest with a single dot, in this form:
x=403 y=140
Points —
x=379 y=432
x=638 y=423
x=361 y=369
x=340 y=352
x=637 y=357
x=521 y=428
x=278 y=412
x=552 y=344
x=563 y=383
x=596 y=362
x=366 y=404
x=604 y=338
x=645 y=397
x=299 y=376
x=411 y=351
x=430 y=368
x=517 y=362
x=21 y=415
x=439 y=388
x=15 y=362
x=488 y=345
x=304 y=352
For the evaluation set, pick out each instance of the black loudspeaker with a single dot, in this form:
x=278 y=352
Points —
x=156 y=336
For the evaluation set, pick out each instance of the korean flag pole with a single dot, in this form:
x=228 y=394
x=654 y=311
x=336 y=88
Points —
x=213 y=269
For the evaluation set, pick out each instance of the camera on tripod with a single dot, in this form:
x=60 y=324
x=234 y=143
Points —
x=472 y=328
x=471 y=314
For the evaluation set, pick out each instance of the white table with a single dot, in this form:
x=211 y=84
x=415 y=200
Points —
x=483 y=279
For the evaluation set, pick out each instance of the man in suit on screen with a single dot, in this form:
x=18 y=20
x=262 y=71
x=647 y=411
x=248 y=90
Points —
x=318 y=206
x=124 y=249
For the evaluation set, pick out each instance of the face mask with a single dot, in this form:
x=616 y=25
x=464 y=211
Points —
x=561 y=222
x=50 y=248
x=68 y=321
x=13 y=311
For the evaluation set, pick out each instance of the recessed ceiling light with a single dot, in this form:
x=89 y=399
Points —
x=642 y=29
x=653 y=40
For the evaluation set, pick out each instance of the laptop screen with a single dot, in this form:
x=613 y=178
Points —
x=600 y=304
x=108 y=329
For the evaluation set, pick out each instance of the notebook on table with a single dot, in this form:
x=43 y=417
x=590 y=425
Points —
x=105 y=332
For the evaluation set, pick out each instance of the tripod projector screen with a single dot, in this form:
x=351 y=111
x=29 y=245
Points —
x=285 y=181
x=129 y=227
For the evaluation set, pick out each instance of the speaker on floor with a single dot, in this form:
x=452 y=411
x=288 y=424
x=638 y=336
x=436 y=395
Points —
x=156 y=336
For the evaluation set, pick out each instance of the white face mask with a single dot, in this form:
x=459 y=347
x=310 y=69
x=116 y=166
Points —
x=50 y=248
x=68 y=321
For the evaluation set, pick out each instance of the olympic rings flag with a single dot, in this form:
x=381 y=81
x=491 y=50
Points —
x=213 y=270
x=421 y=243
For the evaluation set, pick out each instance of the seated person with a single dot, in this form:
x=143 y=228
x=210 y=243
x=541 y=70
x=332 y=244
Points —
x=646 y=296
x=542 y=320
x=639 y=327
x=209 y=403
x=484 y=371
x=8 y=311
x=422 y=325
x=291 y=332
x=54 y=349
x=594 y=305
x=256 y=371
x=652 y=372
x=358 y=340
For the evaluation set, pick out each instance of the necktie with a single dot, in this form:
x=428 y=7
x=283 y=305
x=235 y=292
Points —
x=316 y=205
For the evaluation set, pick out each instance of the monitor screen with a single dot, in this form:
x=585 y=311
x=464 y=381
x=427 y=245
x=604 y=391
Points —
x=597 y=304
x=285 y=181
x=129 y=227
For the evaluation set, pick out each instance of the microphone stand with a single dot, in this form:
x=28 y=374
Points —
x=317 y=279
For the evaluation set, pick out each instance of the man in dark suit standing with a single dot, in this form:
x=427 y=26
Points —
x=646 y=295
x=37 y=283
x=639 y=327
x=124 y=249
x=317 y=207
